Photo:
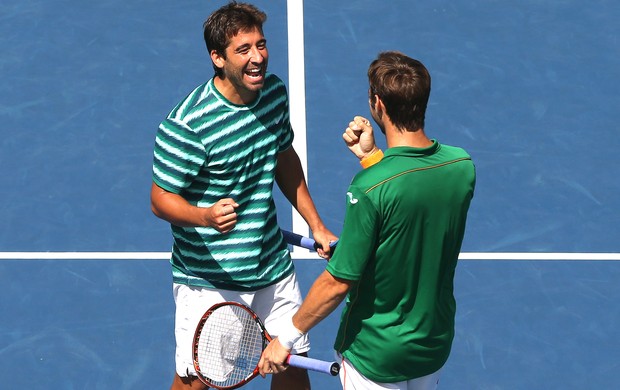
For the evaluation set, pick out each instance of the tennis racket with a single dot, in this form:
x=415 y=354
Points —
x=229 y=342
x=305 y=242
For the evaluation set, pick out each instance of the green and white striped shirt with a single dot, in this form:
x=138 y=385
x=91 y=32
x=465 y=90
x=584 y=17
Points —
x=208 y=149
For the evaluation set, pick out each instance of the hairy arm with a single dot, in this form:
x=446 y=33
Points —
x=324 y=296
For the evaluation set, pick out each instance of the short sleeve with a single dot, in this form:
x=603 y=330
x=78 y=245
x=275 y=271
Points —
x=286 y=136
x=178 y=156
x=358 y=239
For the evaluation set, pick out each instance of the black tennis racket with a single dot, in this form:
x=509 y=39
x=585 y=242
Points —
x=229 y=342
x=305 y=242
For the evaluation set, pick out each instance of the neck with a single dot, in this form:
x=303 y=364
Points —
x=414 y=139
x=234 y=95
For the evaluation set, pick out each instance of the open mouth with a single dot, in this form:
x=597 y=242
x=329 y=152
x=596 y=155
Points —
x=254 y=74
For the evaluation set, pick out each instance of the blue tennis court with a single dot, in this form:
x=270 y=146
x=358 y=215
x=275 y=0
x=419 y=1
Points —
x=529 y=88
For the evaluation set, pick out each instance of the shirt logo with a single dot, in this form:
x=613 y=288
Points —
x=352 y=200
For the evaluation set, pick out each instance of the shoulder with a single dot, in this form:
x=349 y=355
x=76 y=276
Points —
x=273 y=79
x=369 y=177
x=454 y=152
x=191 y=101
x=274 y=84
x=460 y=160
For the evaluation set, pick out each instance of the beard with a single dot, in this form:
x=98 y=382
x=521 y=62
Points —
x=243 y=80
x=377 y=119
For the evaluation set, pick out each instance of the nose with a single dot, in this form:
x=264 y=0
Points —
x=258 y=55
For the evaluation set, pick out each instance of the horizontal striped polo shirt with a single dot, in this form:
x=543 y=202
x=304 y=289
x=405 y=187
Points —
x=208 y=149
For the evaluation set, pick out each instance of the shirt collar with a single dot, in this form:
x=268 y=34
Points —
x=408 y=151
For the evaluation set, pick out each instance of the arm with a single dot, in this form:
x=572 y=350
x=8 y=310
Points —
x=324 y=296
x=291 y=181
x=175 y=209
x=361 y=141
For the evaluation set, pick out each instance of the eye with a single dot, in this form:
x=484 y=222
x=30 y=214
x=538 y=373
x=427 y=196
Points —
x=245 y=49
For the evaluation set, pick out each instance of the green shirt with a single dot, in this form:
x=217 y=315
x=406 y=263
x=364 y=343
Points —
x=208 y=149
x=402 y=234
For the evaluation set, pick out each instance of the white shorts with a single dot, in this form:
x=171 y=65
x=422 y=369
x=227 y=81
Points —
x=273 y=305
x=352 y=379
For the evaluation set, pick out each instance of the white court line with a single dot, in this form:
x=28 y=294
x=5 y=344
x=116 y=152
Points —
x=297 y=100
x=84 y=255
x=491 y=256
x=297 y=92
x=297 y=95
x=562 y=256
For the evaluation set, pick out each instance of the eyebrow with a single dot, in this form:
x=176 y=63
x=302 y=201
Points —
x=246 y=46
x=242 y=47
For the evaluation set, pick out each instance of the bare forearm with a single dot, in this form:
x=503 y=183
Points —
x=307 y=209
x=292 y=182
x=173 y=208
x=176 y=210
x=323 y=298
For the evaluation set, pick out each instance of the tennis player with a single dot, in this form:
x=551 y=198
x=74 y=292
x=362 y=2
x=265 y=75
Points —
x=397 y=254
x=216 y=158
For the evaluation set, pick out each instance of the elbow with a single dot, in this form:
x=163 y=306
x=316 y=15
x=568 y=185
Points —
x=155 y=197
x=154 y=210
x=340 y=287
x=343 y=291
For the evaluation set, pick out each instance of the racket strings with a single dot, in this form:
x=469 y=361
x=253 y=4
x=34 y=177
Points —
x=229 y=346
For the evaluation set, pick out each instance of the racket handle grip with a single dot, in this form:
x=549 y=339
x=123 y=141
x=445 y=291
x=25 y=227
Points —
x=331 y=368
x=304 y=242
x=299 y=240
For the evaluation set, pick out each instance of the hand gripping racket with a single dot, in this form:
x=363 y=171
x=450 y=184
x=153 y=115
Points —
x=229 y=342
x=305 y=242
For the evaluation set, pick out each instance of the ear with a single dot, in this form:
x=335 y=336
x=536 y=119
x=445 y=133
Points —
x=217 y=59
x=379 y=107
